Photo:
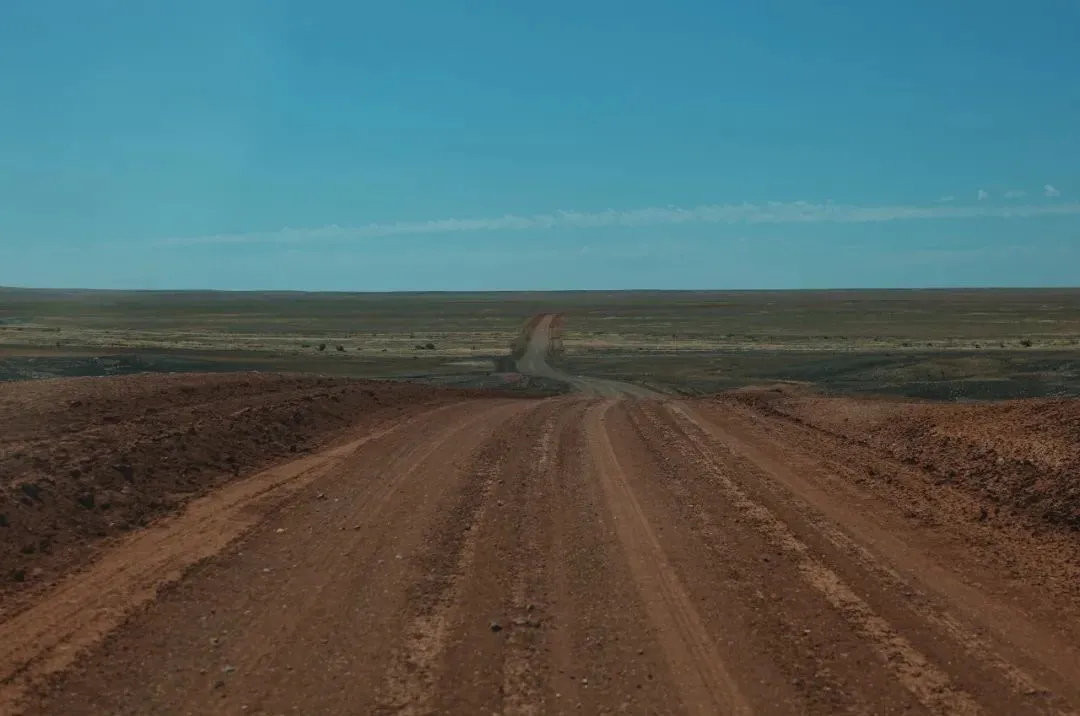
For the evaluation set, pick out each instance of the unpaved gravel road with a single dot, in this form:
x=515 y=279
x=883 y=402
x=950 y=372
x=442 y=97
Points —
x=534 y=362
x=579 y=554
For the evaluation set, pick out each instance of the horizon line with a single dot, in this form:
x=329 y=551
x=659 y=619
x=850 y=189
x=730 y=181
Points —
x=851 y=289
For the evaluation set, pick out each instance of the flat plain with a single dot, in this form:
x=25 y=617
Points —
x=657 y=503
x=947 y=344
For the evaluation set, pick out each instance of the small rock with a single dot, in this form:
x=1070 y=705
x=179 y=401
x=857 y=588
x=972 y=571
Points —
x=31 y=490
x=496 y=627
x=320 y=496
x=219 y=684
x=228 y=669
x=279 y=530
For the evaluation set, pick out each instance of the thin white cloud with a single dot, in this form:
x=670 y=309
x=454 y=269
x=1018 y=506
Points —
x=799 y=212
x=1015 y=194
x=1050 y=191
x=982 y=195
x=945 y=200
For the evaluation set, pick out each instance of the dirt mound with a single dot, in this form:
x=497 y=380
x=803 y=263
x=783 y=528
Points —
x=87 y=458
x=1021 y=454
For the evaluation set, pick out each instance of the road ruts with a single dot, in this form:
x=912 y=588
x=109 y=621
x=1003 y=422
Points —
x=948 y=665
x=301 y=614
x=957 y=576
x=561 y=556
x=701 y=677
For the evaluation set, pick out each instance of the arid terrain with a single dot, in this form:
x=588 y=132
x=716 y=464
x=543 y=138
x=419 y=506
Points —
x=937 y=344
x=269 y=543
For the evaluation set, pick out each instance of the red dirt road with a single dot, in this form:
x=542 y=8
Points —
x=577 y=554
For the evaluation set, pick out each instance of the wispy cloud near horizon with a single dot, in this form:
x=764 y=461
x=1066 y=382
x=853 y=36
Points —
x=799 y=212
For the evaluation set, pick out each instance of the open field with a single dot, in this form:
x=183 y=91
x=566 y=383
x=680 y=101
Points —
x=448 y=339
x=278 y=323
x=944 y=345
x=877 y=320
x=485 y=322
x=933 y=375
x=934 y=344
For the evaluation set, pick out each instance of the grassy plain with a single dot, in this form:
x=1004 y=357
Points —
x=828 y=320
x=267 y=322
x=61 y=332
x=935 y=343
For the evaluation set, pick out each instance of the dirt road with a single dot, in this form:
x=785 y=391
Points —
x=535 y=362
x=577 y=555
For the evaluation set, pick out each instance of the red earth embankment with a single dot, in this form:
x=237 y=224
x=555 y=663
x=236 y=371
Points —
x=89 y=458
x=1022 y=454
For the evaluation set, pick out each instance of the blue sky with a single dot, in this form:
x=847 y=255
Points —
x=443 y=144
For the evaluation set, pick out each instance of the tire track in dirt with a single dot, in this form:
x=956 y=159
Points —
x=329 y=581
x=604 y=654
x=928 y=682
x=390 y=477
x=47 y=638
x=702 y=680
x=942 y=568
x=525 y=676
x=416 y=676
x=498 y=635
x=631 y=560
x=785 y=645
x=913 y=575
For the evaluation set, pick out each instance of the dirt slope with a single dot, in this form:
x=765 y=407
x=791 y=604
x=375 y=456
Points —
x=1021 y=455
x=86 y=459
x=567 y=555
